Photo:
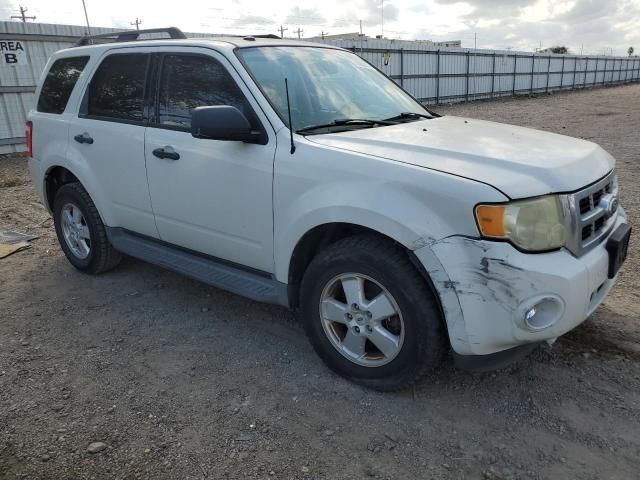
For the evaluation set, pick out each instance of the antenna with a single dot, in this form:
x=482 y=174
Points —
x=286 y=88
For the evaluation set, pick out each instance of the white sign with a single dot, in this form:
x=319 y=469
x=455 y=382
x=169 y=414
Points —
x=12 y=52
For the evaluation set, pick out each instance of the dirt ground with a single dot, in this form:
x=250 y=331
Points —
x=180 y=380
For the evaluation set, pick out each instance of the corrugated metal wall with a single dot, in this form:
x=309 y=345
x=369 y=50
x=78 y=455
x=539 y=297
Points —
x=452 y=74
x=431 y=75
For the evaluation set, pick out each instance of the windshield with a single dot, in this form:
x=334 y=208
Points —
x=325 y=85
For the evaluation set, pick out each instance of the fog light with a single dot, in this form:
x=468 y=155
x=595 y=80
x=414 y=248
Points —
x=541 y=312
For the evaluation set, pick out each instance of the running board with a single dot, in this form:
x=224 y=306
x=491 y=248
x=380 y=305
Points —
x=213 y=272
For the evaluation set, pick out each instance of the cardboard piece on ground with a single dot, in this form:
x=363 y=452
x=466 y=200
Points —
x=8 y=249
x=10 y=237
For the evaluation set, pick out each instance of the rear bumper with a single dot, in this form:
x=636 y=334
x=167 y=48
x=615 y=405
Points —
x=486 y=289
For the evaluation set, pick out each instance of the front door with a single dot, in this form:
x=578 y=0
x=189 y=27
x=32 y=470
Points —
x=210 y=196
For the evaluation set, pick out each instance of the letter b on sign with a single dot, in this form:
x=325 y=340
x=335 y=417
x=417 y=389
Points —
x=10 y=58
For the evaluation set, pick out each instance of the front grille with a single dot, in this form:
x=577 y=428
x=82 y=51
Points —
x=591 y=214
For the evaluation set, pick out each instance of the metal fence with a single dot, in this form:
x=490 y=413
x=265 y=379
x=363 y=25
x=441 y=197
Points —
x=431 y=75
x=447 y=75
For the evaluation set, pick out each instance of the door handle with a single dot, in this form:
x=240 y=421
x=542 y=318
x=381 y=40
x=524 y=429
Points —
x=166 y=152
x=83 y=138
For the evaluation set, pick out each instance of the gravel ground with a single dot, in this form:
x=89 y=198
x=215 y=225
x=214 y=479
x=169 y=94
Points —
x=175 y=379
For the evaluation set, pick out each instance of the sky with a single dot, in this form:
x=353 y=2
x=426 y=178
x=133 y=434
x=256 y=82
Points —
x=585 y=26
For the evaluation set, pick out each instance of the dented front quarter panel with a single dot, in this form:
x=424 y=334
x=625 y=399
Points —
x=485 y=288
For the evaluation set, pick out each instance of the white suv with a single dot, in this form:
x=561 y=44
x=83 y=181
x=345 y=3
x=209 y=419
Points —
x=298 y=174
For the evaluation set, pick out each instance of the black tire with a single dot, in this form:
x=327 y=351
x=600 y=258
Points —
x=425 y=339
x=102 y=256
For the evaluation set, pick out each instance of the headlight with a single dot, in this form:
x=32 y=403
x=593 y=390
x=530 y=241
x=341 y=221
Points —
x=535 y=225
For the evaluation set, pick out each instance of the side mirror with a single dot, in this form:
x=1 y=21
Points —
x=222 y=123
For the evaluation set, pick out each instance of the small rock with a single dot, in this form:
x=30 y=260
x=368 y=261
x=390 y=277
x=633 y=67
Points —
x=305 y=469
x=45 y=458
x=24 y=343
x=96 y=447
x=243 y=455
x=328 y=433
x=147 y=450
x=204 y=309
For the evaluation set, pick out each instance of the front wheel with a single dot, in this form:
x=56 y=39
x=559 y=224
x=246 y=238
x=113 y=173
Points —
x=370 y=315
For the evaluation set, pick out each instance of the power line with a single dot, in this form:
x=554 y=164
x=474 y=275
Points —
x=22 y=15
x=299 y=32
x=323 y=33
x=282 y=30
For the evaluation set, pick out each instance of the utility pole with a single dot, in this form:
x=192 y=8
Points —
x=299 y=32
x=22 y=15
x=282 y=30
x=86 y=17
x=475 y=40
x=360 y=27
x=323 y=33
x=136 y=23
x=382 y=19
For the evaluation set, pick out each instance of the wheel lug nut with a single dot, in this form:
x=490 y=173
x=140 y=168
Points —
x=357 y=329
x=349 y=316
x=369 y=328
x=355 y=306
x=369 y=315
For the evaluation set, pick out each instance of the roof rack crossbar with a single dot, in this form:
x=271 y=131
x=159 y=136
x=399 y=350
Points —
x=130 y=35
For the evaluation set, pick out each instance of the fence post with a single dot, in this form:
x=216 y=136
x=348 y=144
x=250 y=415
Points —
x=575 y=69
x=466 y=94
x=604 y=75
x=515 y=70
x=533 y=68
x=493 y=75
x=438 y=78
x=562 y=73
x=584 y=80
x=401 y=67
x=549 y=72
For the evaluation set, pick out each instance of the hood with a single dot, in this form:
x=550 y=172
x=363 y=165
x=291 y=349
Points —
x=520 y=162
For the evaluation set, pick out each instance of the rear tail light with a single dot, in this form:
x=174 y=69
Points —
x=29 y=138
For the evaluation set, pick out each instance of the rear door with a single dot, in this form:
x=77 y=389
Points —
x=108 y=135
x=217 y=197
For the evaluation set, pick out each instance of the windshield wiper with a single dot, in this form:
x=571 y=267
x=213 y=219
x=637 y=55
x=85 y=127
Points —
x=339 y=122
x=408 y=116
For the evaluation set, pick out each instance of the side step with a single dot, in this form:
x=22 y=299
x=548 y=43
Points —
x=205 y=269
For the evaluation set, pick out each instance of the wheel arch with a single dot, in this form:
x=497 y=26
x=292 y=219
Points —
x=323 y=235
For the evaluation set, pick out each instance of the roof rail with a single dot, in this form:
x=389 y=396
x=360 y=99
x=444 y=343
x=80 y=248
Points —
x=129 y=35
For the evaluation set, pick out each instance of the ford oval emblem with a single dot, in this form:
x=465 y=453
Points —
x=609 y=203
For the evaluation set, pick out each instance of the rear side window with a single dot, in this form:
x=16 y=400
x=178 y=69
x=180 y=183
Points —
x=190 y=81
x=59 y=83
x=116 y=90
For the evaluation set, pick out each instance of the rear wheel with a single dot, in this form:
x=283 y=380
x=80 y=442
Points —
x=80 y=231
x=370 y=315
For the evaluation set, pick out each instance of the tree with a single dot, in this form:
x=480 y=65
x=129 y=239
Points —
x=560 y=50
x=630 y=51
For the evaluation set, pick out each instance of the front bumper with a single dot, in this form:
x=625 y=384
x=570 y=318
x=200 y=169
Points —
x=486 y=288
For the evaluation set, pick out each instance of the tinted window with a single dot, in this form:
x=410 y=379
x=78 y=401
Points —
x=59 y=83
x=190 y=81
x=117 y=88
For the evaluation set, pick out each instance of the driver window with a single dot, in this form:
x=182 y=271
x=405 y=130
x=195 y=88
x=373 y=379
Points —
x=190 y=81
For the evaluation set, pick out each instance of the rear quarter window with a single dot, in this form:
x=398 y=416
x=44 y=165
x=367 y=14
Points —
x=59 y=83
